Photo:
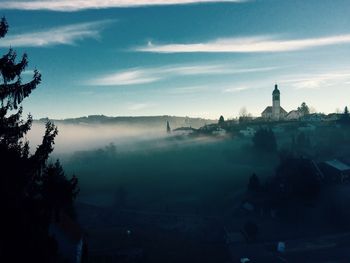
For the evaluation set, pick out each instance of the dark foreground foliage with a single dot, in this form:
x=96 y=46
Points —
x=31 y=191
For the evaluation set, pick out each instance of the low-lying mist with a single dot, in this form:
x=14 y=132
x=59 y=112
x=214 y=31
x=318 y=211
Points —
x=83 y=137
x=154 y=170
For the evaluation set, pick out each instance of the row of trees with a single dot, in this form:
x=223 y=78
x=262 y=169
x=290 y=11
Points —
x=244 y=115
x=32 y=192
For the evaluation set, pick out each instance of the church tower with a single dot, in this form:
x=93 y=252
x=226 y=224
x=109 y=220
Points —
x=276 y=103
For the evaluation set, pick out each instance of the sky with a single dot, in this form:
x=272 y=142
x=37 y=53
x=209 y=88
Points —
x=201 y=58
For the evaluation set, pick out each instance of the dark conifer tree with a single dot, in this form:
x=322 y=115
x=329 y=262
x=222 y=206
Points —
x=29 y=189
x=221 y=121
x=304 y=109
x=254 y=184
x=168 y=129
x=345 y=117
x=265 y=140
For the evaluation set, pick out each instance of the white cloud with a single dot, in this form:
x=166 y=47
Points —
x=76 y=5
x=188 y=89
x=149 y=75
x=235 y=89
x=247 y=45
x=131 y=77
x=318 y=80
x=139 y=106
x=29 y=72
x=64 y=35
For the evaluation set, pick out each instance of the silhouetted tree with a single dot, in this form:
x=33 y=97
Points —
x=254 y=184
x=168 y=129
x=345 y=117
x=120 y=197
x=304 y=109
x=244 y=115
x=29 y=192
x=302 y=141
x=299 y=178
x=58 y=192
x=221 y=121
x=251 y=231
x=265 y=140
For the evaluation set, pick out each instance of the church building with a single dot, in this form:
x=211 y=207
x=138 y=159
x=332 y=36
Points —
x=274 y=112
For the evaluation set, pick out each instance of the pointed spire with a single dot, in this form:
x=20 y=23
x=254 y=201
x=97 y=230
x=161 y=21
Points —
x=168 y=129
x=276 y=90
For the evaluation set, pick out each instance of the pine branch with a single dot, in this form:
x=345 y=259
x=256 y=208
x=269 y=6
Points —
x=11 y=70
x=16 y=92
x=3 y=27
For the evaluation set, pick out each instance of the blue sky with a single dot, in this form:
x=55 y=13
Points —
x=190 y=58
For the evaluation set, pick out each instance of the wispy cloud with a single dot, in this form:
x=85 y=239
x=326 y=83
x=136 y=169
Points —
x=139 y=106
x=29 y=72
x=131 y=77
x=319 y=80
x=64 y=35
x=148 y=75
x=247 y=45
x=76 y=5
x=189 y=89
x=235 y=89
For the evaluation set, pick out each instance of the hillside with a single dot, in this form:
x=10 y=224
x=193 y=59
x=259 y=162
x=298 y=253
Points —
x=154 y=121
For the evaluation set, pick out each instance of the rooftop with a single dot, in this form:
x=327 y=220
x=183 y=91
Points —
x=338 y=165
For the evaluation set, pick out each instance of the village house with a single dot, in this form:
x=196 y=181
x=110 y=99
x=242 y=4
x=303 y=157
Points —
x=293 y=115
x=336 y=171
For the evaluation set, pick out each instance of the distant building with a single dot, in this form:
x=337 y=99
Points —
x=219 y=132
x=315 y=117
x=336 y=171
x=183 y=131
x=333 y=117
x=294 y=115
x=274 y=112
x=248 y=132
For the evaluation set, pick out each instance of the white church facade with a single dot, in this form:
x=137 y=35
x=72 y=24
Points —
x=274 y=112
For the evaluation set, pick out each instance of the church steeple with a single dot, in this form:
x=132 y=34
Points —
x=276 y=112
x=168 y=129
x=276 y=104
x=275 y=94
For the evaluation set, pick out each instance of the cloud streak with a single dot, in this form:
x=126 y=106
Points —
x=64 y=35
x=247 y=45
x=235 y=89
x=318 y=81
x=149 y=75
x=76 y=5
x=139 y=106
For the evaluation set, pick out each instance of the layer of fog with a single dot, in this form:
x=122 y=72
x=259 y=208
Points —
x=155 y=169
x=83 y=137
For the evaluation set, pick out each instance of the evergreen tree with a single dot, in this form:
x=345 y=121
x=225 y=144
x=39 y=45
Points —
x=251 y=231
x=345 y=117
x=168 y=129
x=29 y=192
x=254 y=184
x=304 y=109
x=265 y=140
x=221 y=122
